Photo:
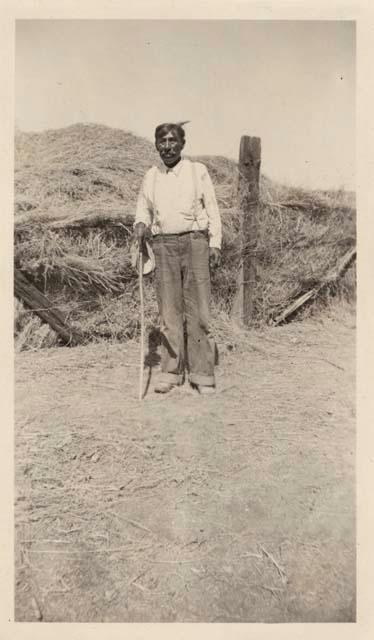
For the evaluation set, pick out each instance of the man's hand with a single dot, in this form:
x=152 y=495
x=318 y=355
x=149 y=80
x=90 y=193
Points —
x=214 y=257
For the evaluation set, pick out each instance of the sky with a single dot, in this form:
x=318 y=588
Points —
x=292 y=83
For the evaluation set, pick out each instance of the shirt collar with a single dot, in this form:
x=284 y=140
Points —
x=176 y=170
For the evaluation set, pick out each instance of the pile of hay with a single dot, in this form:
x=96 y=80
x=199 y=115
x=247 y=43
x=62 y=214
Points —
x=75 y=197
x=301 y=237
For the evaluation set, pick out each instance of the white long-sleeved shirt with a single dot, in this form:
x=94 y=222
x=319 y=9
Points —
x=178 y=200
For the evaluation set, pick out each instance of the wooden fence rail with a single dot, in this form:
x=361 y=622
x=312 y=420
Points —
x=30 y=295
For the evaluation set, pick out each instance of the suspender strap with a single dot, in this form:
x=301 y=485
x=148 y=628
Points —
x=194 y=178
x=154 y=188
x=155 y=211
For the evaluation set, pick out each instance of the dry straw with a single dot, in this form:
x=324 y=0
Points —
x=75 y=197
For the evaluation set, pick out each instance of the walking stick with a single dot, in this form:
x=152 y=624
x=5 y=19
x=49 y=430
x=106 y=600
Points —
x=141 y=323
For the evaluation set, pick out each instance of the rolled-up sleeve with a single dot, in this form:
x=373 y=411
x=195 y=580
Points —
x=211 y=207
x=144 y=210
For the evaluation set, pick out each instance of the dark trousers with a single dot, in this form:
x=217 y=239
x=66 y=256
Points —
x=183 y=292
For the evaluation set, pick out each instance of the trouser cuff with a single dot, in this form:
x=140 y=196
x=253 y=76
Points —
x=173 y=378
x=207 y=381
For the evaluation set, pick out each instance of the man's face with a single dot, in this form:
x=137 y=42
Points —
x=169 y=147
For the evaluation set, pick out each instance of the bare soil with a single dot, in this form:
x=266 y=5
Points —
x=238 y=507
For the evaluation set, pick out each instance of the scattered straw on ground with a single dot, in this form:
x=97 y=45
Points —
x=237 y=508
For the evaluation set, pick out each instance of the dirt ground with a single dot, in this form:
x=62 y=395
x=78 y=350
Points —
x=186 y=508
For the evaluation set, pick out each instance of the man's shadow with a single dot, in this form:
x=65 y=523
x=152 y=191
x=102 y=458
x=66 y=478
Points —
x=152 y=358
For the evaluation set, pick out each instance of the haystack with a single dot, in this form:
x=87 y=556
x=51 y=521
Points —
x=75 y=197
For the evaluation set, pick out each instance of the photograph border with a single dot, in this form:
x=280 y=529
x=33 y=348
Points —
x=364 y=17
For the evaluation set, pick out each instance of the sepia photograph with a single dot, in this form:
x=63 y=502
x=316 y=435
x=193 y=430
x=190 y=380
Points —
x=185 y=321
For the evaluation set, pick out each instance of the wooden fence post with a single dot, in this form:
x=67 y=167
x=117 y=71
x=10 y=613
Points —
x=248 y=192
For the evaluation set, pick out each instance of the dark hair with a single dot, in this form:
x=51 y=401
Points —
x=166 y=127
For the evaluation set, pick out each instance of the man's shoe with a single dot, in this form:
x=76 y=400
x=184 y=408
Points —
x=164 y=387
x=205 y=389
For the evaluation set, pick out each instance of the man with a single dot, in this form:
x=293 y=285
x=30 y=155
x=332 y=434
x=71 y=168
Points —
x=178 y=207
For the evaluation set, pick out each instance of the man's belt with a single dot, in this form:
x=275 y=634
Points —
x=182 y=233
